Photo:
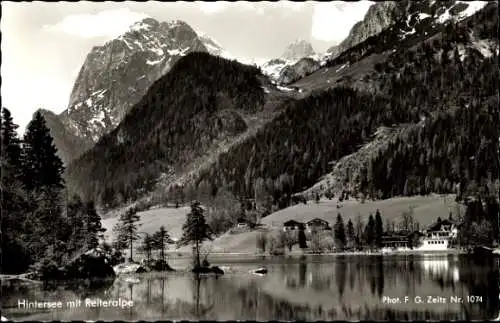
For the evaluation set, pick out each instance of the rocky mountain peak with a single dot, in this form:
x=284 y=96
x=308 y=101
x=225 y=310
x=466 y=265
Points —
x=298 y=49
x=145 y=24
x=411 y=14
x=117 y=74
x=378 y=17
x=213 y=46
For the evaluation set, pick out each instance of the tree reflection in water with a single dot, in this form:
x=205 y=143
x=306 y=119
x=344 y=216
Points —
x=302 y=274
x=340 y=275
x=301 y=290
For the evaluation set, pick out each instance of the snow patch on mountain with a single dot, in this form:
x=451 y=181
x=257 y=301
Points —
x=423 y=15
x=285 y=89
x=213 y=47
x=140 y=26
x=485 y=47
x=154 y=62
x=117 y=74
x=472 y=8
x=274 y=67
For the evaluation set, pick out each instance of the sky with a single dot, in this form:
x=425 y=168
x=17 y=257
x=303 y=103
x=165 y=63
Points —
x=44 y=44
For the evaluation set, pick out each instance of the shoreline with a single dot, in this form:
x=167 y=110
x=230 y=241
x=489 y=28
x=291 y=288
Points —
x=219 y=255
x=344 y=253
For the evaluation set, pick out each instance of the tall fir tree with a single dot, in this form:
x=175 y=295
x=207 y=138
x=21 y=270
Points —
x=11 y=152
x=95 y=231
x=302 y=237
x=370 y=231
x=75 y=223
x=42 y=167
x=13 y=196
x=126 y=230
x=147 y=246
x=379 y=229
x=195 y=230
x=339 y=231
x=42 y=178
x=160 y=240
x=351 y=234
x=13 y=199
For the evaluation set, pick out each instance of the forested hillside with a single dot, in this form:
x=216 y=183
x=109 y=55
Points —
x=452 y=135
x=203 y=98
x=439 y=83
x=446 y=81
x=41 y=227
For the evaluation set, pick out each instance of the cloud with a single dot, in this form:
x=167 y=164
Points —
x=295 y=6
x=219 y=6
x=332 y=21
x=212 y=7
x=107 y=23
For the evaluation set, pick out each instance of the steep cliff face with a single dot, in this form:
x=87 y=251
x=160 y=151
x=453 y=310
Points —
x=292 y=73
x=273 y=68
x=297 y=50
x=378 y=17
x=298 y=60
x=410 y=14
x=196 y=109
x=115 y=76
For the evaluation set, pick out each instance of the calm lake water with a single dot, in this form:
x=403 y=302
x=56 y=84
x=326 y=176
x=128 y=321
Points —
x=300 y=288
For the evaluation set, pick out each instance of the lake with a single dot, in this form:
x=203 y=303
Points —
x=295 y=288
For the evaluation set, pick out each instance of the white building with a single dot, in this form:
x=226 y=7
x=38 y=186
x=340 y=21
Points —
x=438 y=236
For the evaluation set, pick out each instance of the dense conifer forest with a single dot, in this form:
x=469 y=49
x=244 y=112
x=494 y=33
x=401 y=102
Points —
x=452 y=139
x=440 y=90
x=439 y=87
x=40 y=225
x=202 y=98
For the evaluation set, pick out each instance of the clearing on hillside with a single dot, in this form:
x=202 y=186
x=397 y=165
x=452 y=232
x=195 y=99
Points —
x=426 y=209
x=151 y=220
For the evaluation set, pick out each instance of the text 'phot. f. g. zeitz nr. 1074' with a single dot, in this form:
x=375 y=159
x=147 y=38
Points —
x=328 y=161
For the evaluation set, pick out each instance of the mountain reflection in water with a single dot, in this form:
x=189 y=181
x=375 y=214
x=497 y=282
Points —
x=306 y=288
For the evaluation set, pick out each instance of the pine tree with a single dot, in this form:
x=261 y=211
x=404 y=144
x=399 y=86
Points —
x=339 y=232
x=160 y=239
x=13 y=201
x=147 y=246
x=351 y=235
x=76 y=225
x=379 y=229
x=370 y=231
x=359 y=231
x=302 y=238
x=195 y=230
x=45 y=228
x=41 y=165
x=10 y=147
x=42 y=178
x=126 y=230
x=95 y=231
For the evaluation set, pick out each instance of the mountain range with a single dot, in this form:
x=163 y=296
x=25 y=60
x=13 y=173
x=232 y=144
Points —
x=159 y=111
x=116 y=75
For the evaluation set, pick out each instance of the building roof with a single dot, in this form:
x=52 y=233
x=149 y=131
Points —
x=317 y=220
x=292 y=222
x=437 y=225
